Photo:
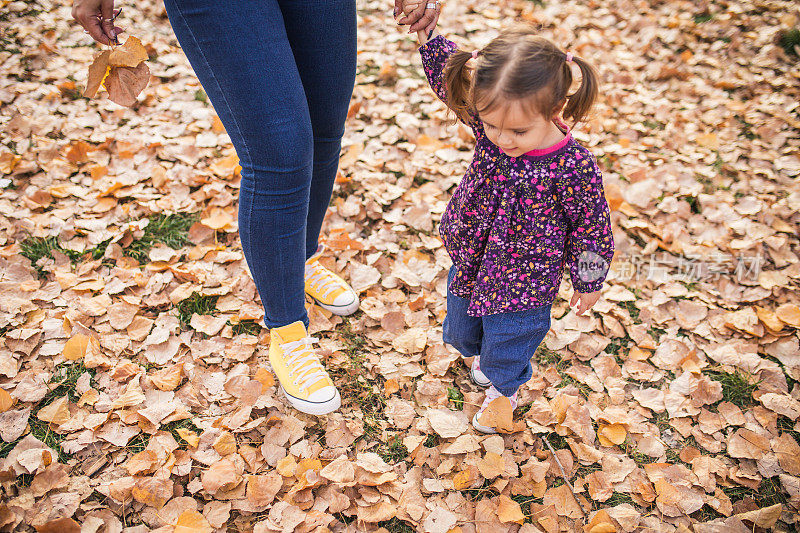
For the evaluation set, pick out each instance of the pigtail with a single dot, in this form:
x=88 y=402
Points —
x=581 y=101
x=458 y=84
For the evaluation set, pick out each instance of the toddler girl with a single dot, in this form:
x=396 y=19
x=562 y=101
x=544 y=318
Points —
x=531 y=201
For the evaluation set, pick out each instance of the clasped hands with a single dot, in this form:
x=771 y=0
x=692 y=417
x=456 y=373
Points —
x=420 y=15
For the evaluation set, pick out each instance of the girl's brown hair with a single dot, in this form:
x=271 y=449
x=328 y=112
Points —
x=518 y=65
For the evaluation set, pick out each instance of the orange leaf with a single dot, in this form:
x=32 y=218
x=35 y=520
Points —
x=508 y=510
x=189 y=436
x=129 y=54
x=708 y=140
x=216 y=125
x=789 y=314
x=266 y=379
x=98 y=71
x=6 y=401
x=611 y=434
x=218 y=220
x=390 y=387
x=78 y=152
x=461 y=480
x=601 y=523
x=75 y=348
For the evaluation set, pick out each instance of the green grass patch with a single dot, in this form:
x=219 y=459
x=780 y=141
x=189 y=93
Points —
x=172 y=230
x=567 y=380
x=34 y=248
x=618 y=498
x=356 y=385
x=395 y=525
x=456 y=397
x=431 y=441
x=769 y=492
x=632 y=310
x=789 y=40
x=196 y=303
x=139 y=443
x=556 y=441
x=547 y=357
x=249 y=327
x=737 y=388
x=703 y=17
x=173 y=428
x=653 y=124
x=62 y=382
x=393 y=451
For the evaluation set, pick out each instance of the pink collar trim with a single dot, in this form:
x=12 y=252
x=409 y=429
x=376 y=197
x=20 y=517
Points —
x=558 y=146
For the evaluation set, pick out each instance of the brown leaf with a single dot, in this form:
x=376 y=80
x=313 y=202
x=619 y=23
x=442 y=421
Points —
x=57 y=412
x=60 y=525
x=125 y=83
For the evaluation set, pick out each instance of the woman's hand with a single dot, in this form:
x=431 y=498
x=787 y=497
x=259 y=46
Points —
x=97 y=18
x=586 y=299
x=422 y=15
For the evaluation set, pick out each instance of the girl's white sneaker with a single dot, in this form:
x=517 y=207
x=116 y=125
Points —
x=478 y=377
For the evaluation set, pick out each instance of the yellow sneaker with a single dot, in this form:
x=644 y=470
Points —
x=303 y=379
x=328 y=290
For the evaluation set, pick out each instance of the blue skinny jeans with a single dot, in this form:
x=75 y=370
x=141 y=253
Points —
x=280 y=75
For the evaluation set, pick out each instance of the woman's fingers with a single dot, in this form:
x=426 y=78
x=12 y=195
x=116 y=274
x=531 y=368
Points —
x=97 y=18
x=415 y=15
x=107 y=12
x=429 y=17
x=398 y=7
x=432 y=25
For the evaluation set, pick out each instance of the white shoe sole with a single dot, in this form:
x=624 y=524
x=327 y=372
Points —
x=313 y=408
x=339 y=310
x=482 y=428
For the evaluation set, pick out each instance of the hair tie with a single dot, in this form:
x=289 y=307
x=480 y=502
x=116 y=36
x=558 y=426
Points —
x=569 y=57
x=474 y=54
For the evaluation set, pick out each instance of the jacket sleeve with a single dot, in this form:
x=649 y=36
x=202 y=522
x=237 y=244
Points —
x=590 y=240
x=434 y=55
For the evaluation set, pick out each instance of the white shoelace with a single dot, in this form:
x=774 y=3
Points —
x=321 y=279
x=297 y=354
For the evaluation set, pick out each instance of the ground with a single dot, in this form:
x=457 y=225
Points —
x=135 y=390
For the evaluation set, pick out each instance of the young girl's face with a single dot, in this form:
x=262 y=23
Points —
x=516 y=129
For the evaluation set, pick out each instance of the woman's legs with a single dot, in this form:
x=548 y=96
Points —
x=323 y=38
x=246 y=63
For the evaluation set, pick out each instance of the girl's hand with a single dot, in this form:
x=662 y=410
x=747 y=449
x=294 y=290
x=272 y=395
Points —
x=586 y=299
x=422 y=16
x=97 y=18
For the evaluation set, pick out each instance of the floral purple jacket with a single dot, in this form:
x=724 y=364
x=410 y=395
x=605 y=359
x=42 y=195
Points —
x=514 y=222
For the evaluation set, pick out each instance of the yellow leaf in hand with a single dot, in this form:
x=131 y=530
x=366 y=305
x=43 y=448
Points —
x=129 y=54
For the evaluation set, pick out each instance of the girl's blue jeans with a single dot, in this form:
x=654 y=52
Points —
x=504 y=341
x=280 y=75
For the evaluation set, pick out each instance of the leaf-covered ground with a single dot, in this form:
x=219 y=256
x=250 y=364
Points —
x=135 y=390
